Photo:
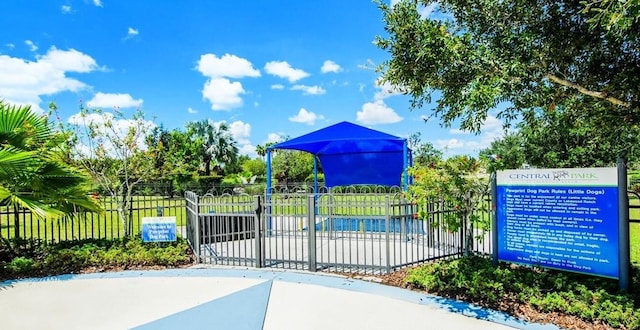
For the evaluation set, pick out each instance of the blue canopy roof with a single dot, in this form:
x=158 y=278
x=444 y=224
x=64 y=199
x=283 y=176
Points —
x=351 y=154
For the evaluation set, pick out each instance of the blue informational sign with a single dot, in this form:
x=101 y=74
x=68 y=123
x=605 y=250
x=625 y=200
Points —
x=159 y=229
x=564 y=219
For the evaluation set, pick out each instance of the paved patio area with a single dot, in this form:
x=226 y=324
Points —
x=232 y=298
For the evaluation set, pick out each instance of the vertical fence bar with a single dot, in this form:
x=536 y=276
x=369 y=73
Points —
x=257 y=233
x=623 y=226
x=311 y=225
x=494 y=219
x=387 y=225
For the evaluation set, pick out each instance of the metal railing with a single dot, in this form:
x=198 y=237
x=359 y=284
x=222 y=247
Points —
x=21 y=223
x=347 y=232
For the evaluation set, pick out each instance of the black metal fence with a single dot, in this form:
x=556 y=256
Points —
x=21 y=223
x=364 y=231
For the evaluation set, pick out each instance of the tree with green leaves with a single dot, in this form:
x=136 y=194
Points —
x=561 y=139
x=470 y=56
x=255 y=166
x=33 y=174
x=424 y=153
x=292 y=166
x=457 y=186
x=177 y=156
x=617 y=16
x=217 y=144
x=111 y=147
x=507 y=152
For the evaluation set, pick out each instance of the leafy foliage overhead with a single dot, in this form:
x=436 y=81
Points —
x=531 y=56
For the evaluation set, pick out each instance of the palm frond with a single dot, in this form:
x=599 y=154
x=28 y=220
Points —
x=13 y=160
x=19 y=126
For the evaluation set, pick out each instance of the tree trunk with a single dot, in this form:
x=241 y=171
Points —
x=207 y=166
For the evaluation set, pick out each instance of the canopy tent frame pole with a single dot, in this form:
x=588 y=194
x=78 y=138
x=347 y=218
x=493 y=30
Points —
x=405 y=167
x=315 y=184
x=315 y=175
x=268 y=191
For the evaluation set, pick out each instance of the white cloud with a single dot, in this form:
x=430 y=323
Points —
x=90 y=119
x=131 y=32
x=191 y=110
x=223 y=94
x=377 y=112
x=277 y=86
x=424 y=11
x=309 y=90
x=65 y=9
x=385 y=90
x=117 y=130
x=492 y=123
x=274 y=137
x=457 y=131
x=97 y=3
x=249 y=150
x=256 y=104
x=24 y=82
x=305 y=117
x=32 y=46
x=220 y=91
x=229 y=66
x=368 y=65
x=449 y=144
x=10 y=46
x=240 y=131
x=108 y=100
x=491 y=129
x=330 y=66
x=283 y=69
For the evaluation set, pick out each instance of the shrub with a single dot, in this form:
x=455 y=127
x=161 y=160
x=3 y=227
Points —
x=588 y=297
x=21 y=265
x=71 y=257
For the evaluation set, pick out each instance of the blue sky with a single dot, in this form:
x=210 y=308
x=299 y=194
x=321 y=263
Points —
x=267 y=68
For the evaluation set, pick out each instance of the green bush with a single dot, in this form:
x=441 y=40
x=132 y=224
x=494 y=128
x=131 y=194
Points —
x=71 y=257
x=21 y=265
x=588 y=297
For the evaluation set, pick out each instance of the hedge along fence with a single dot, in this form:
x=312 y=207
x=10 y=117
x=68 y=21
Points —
x=21 y=223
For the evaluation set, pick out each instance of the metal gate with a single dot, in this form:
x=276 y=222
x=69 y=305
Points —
x=349 y=232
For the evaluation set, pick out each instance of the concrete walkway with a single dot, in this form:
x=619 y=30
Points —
x=232 y=298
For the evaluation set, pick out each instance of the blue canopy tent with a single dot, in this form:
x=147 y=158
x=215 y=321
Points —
x=352 y=155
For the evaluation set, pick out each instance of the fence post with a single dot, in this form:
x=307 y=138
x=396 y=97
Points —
x=130 y=225
x=16 y=222
x=494 y=219
x=387 y=224
x=623 y=226
x=196 y=223
x=311 y=225
x=257 y=231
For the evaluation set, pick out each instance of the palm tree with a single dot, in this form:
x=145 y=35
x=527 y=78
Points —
x=32 y=173
x=217 y=143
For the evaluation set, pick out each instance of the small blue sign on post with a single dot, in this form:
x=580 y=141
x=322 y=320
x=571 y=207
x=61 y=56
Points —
x=159 y=229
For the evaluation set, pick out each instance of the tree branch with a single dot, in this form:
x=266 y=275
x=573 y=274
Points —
x=599 y=95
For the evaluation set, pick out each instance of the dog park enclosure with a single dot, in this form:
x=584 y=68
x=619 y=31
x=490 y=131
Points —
x=363 y=231
x=374 y=230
